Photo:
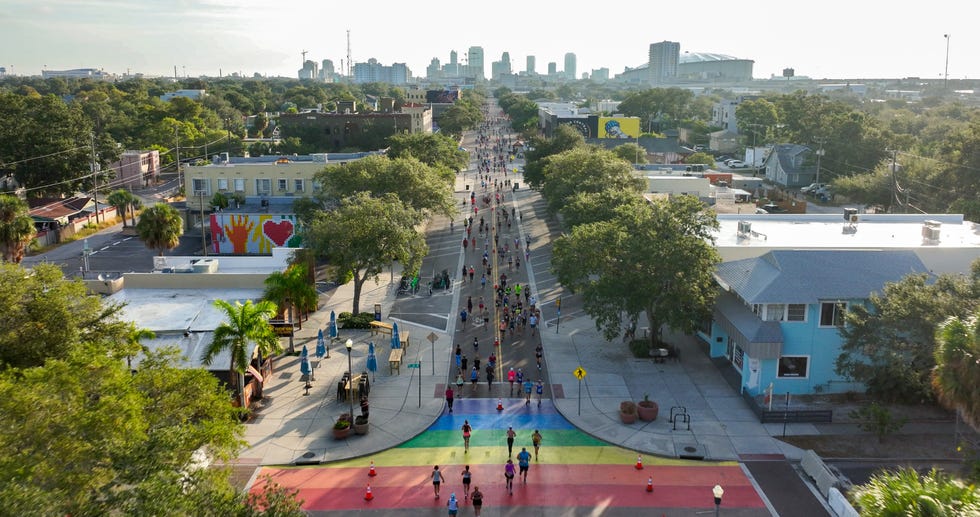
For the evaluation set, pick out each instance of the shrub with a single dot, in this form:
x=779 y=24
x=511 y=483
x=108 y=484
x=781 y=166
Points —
x=877 y=419
x=628 y=407
x=640 y=348
x=347 y=320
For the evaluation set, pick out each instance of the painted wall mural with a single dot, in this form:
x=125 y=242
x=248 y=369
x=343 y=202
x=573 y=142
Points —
x=244 y=234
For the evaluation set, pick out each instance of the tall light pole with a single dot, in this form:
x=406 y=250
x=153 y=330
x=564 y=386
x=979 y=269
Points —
x=946 y=73
x=717 y=491
x=350 y=368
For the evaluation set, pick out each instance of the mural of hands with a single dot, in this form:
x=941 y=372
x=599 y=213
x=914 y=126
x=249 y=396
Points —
x=238 y=232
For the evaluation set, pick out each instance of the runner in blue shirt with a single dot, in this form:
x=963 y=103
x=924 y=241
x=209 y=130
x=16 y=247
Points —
x=528 y=385
x=524 y=462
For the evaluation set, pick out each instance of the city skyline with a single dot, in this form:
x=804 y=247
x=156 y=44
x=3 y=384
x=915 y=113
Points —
x=212 y=37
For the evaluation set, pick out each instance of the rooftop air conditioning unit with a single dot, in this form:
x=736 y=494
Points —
x=744 y=228
x=850 y=215
x=931 y=229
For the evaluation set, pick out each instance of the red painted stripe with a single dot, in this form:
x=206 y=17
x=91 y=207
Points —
x=582 y=485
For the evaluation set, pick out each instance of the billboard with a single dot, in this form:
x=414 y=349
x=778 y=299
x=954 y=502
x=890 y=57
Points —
x=619 y=127
x=580 y=124
x=441 y=96
x=249 y=234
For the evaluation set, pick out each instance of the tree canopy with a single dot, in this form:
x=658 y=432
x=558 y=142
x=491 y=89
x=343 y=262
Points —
x=565 y=139
x=585 y=169
x=160 y=227
x=656 y=260
x=435 y=150
x=16 y=228
x=365 y=234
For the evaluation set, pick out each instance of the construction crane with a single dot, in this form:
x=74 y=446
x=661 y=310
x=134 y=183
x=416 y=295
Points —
x=304 y=57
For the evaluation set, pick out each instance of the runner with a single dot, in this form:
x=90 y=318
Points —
x=536 y=440
x=524 y=462
x=459 y=383
x=436 y=480
x=449 y=398
x=452 y=504
x=540 y=389
x=508 y=475
x=511 y=376
x=477 y=501
x=467 y=478
x=474 y=378
x=510 y=441
x=528 y=385
x=467 y=431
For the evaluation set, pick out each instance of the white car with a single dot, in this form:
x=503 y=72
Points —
x=736 y=164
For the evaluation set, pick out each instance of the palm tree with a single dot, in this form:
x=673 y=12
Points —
x=956 y=378
x=134 y=336
x=291 y=290
x=245 y=324
x=123 y=200
x=16 y=228
x=907 y=493
x=160 y=227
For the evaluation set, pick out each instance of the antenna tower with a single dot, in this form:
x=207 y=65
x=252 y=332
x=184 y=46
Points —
x=348 y=53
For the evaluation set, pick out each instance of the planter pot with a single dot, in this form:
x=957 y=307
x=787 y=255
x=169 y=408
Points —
x=647 y=410
x=627 y=418
x=361 y=428
x=340 y=434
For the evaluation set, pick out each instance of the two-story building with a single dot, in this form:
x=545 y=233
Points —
x=788 y=165
x=787 y=280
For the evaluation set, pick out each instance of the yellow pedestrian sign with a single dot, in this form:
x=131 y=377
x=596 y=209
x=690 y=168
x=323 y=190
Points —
x=579 y=373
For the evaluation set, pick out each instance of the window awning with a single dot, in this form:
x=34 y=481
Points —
x=759 y=339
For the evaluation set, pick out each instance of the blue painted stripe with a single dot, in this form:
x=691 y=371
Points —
x=511 y=406
x=527 y=422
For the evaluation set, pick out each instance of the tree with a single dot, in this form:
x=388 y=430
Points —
x=245 y=325
x=292 y=291
x=631 y=153
x=565 y=138
x=665 y=105
x=702 y=158
x=416 y=184
x=364 y=234
x=16 y=228
x=585 y=169
x=889 y=344
x=160 y=227
x=434 y=150
x=755 y=118
x=906 y=492
x=123 y=200
x=956 y=378
x=591 y=207
x=46 y=316
x=657 y=260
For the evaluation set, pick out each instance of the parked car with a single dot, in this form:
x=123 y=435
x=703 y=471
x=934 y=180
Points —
x=737 y=164
x=812 y=188
x=824 y=193
x=770 y=208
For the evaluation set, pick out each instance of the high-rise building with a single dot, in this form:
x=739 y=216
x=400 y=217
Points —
x=374 y=72
x=529 y=68
x=663 y=61
x=453 y=57
x=475 y=62
x=552 y=69
x=309 y=70
x=502 y=67
x=570 y=66
x=327 y=73
x=600 y=74
x=434 y=70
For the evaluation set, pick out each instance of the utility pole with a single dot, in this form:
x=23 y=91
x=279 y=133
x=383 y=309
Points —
x=180 y=179
x=946 y=73
x=204 y=237
x=820 y=154
x=95 y=180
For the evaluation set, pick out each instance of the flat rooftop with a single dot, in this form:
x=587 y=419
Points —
x=178 y=310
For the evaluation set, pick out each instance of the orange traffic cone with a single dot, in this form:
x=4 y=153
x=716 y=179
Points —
x=372 y=472
x=500 y=405
x=368 y=495
x=649 y=484
x=639 y=463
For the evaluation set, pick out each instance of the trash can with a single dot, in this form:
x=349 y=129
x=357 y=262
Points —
x=467 y=187
x=516 y=186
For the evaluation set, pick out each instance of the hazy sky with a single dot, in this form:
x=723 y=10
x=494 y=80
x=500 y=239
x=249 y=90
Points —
x=826 y=39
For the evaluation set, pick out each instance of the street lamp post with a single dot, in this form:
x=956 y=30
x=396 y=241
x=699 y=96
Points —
x=820 y=153
x=350 y=369
x=717 y=491
x=946 y=72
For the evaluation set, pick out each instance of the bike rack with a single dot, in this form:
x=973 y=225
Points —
x=681 y=410
x=685 y=418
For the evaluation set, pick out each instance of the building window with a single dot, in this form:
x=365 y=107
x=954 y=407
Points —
x=832 y=314
x=200 y=186
x=738 y=358
x=793 y=366
x=222 y=184
x=796 y=312
x=239 y=185
x=263 y=186
x=775 y=312
x=298 y=185
x=281 y=184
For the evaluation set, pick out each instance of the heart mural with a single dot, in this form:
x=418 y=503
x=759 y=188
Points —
x=278 y=232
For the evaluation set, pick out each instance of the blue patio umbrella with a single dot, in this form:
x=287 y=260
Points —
x=333 y=325
x=304 y=363
x=372 y=360
x=321 y=345
x=396 y=342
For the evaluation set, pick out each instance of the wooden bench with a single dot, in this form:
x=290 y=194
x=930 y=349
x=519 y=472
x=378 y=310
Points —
x=380 y=327
x=403 y=338
x=395 y=361
x=355 y=386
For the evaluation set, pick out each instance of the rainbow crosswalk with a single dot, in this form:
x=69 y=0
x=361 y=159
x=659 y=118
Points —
x=573 y=470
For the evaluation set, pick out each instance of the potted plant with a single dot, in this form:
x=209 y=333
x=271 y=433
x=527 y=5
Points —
x=341 y=429
x=361 y=424
x=627 y=412
x=647 y=409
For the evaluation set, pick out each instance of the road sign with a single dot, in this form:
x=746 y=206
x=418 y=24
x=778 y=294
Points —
x=413 y=365
x=579 y=373
x=432 y=337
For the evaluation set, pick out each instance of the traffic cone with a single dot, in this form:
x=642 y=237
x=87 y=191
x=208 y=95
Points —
x=639 y=463
x=500 y=405
x=372 y=472
x=368 y=495
x=649 y=484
